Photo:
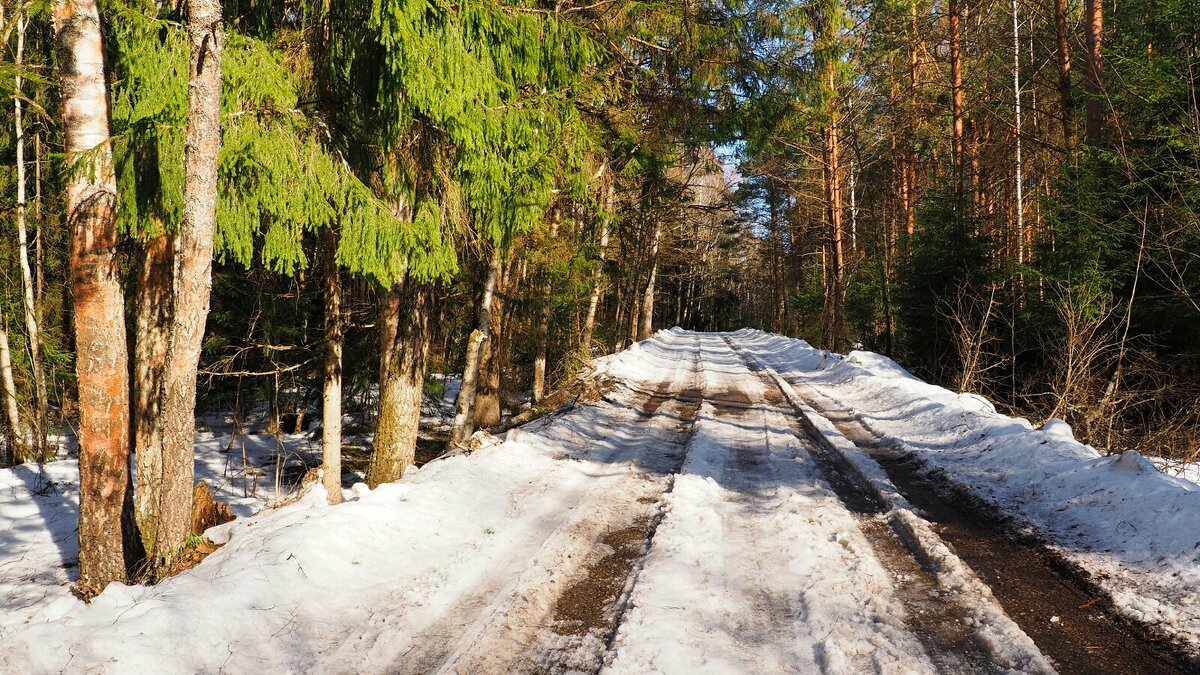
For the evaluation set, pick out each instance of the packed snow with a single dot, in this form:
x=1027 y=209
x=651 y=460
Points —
x=751 y=563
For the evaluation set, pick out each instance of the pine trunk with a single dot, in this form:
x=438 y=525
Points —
x=956 y=85
x=464 y=420
x=102 y=358
x=836 y=291
x=909 y=183
x=1093 y=80
x=1064 y=72
x=400 y=395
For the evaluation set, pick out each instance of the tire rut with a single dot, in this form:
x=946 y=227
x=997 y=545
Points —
x=943 y=626
x=588 y=613
x=1066 y=616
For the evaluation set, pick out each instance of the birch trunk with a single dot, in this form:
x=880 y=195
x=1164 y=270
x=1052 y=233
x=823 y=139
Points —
x=331 y=409
x=12 y=415
x=488 y=408
x=102 y=358
x=1019 y=167
x=646 y=325
x=464 y=420
x=589 y=323
x=32 y=330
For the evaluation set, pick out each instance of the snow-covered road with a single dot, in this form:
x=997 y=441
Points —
x=708 y=511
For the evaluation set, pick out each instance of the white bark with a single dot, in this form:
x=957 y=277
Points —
x=1019 y=208
x=32 y=331
x=464 y=419
x=12 y=415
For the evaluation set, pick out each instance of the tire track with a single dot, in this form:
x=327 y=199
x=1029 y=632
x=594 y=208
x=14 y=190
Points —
x=943 y=626
x=1066 y=617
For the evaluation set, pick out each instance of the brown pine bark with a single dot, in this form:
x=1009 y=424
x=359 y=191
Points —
x=400 y=395
x=1093 y=81
x=909 y=184
x=1064 y=72
x=956 y=85
x=99 y=307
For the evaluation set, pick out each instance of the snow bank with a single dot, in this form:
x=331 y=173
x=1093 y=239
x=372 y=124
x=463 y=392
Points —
x=39 y=512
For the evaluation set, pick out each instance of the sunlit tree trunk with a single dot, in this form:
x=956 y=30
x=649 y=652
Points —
x=32 y=329
x=543 y=330
x=1019 y=166
x=464 y=420
x=589 y=322
x=1064 y=72
x=102 y=359
x=908 y=186
x=834 y=322
x=165 y=498
x=12 y=414
x=400 y=396
x=956 y=86
x=488 y=406
x=646 y=324
x=1093 y=80
x=331 y=398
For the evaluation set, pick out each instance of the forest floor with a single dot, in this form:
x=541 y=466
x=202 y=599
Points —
x=734 y=502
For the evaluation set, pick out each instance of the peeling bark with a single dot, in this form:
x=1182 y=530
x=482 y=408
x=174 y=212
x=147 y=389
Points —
x=101 y=352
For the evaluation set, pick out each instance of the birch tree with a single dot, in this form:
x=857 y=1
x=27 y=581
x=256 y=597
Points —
x=101 y=352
